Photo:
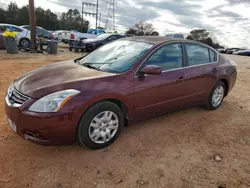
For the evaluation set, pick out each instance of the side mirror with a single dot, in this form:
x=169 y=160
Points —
x=151 y=70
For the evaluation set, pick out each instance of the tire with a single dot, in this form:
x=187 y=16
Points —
x=76 y=50
x=85 y=129
x=215 y=105
x=24 y=43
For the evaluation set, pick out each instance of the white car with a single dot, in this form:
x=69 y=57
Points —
x=23 y=35
x=62 y=35
x=76 y=36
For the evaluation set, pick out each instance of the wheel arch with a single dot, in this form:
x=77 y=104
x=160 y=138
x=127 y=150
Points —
x=226 y=82
x=19 y=42
x=121 y=101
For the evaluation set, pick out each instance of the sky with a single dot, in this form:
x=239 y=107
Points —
x=227 y=20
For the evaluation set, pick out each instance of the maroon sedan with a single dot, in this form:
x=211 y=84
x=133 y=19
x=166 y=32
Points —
x=91 y=98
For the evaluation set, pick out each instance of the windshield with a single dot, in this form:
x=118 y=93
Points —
x=103 y=36
x=116 y=57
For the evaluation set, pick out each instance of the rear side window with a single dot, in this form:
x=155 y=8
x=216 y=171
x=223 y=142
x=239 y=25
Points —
x=213 y=56
x=197 y=55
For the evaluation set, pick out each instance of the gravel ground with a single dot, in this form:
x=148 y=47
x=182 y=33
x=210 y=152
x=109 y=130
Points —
x=193 y=148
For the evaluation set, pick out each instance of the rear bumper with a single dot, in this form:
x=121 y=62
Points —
x=233 y=79
x=45 y=129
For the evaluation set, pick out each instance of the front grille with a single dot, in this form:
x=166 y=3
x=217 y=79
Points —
x=15 y=97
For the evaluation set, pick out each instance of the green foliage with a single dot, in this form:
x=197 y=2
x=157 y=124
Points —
x=202 y=35
x=70 y=20
x=141 y=28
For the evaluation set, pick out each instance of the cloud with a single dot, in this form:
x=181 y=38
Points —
x=228 y=20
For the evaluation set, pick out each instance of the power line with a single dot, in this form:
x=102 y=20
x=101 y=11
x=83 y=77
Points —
x=111 y=14
x=96 y=5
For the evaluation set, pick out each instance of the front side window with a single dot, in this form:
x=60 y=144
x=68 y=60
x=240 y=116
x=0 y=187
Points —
x=112 y=37
x=168 y=57
x=16 y=29
x=117 y=57
x=103 y=36
x=197 y=55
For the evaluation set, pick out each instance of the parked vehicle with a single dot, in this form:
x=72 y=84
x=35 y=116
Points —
x=231 y=50
x=40 y=31
x=221 y=50
x=238 y=52
x=175 y=35
x=245 y=52
x=62 y=35
x=91 y=44
x=129 y=35
x=131 y=79
x=75 y=36
x=96 y=31
x=22 y=36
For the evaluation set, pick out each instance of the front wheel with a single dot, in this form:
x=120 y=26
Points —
x=216 y=96
x=24 y=43
x=101 y=125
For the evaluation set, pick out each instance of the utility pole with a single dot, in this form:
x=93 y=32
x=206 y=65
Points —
x=111 y=14
x=100 y=19
x=91 y=13
x=82 y=18
x=97 y=6
x=114 y=15
x=32 y=22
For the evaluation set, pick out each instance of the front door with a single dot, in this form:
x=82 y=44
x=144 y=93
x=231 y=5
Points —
x=154 y=95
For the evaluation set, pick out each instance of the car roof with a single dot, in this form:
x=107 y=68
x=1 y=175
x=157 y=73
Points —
x=29 y=25
x=158 y=40
x=153 y=39
x=4 y=24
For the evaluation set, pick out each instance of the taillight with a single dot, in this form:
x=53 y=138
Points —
x=72 y=36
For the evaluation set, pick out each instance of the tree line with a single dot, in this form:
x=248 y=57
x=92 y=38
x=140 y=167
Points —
x=201 y=35
x=71 y=20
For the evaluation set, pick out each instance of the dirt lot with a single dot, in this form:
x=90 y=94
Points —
x=172 y=151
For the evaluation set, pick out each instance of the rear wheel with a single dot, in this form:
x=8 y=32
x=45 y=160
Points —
x=100 y=125
x=216 y=96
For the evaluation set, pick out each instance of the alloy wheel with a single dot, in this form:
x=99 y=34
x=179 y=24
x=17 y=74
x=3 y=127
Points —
x=218 y=96
x=103 y=127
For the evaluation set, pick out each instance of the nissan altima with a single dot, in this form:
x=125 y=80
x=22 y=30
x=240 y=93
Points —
x=91 y=98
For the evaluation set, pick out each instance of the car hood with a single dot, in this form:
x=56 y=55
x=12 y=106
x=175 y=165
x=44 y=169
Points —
x=91 y=40
x=55 y=77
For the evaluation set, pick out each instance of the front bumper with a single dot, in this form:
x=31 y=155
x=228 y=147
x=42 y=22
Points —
x=43 y=128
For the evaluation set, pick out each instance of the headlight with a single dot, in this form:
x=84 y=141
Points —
x=53 y=102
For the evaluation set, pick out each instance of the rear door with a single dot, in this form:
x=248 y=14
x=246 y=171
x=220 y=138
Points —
x=200 y=71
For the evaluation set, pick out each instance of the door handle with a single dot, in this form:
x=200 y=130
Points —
x=180 y=79
x=215 y=70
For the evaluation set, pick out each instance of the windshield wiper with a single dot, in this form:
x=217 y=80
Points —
x=90 y=66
